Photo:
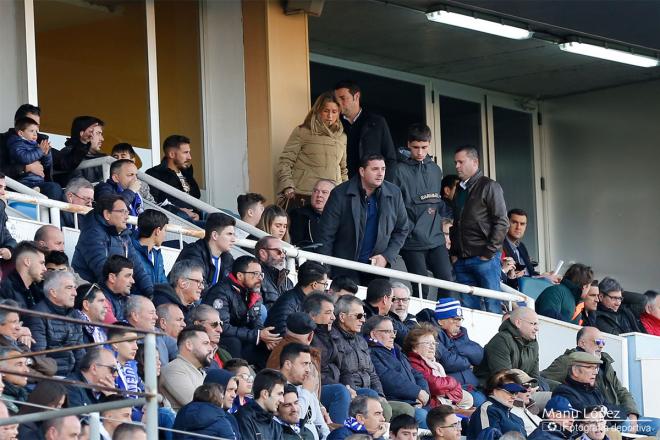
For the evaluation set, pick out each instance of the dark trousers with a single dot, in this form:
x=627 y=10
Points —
x=436 y=260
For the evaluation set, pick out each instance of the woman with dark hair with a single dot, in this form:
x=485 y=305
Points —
x=501 y=389
x=46 y=394
x=275 y=221
x=315 y=150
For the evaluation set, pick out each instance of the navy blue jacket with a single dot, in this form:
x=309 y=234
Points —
x=344 y=432
x=98 y=240
x=290 y=302
x=203 y=418
x=117 y=302
x=157 y=269
x=507 y=251
x=399 y=380
x=493 y=414
x=549 y=431
x=110 y=187
x=582 y=395
x=24 y=152
x=79 y=396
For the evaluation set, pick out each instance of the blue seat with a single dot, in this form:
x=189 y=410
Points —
x=533 y=286
x=25 y=208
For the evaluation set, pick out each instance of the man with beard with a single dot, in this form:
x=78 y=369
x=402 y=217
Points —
x=288 y=415
x=176 y=170
x=275 y=282
x=181 y=377
x=304 y=228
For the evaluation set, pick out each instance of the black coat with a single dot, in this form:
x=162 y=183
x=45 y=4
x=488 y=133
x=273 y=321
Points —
x=53 y=333
x=200 y=253
x=616 y=323
x=367 y=136
x=165 y=294
x=420 y=184
x=239 y=309
x=203 y=418
x=12 y=287
x=329 y=355
x=274 y=284
x=290 y=302
x=68 y=158
x=8 y=168
x=355 y=366
x=79 y=396
x=305 y=224
x=166 y=175
x=6 y=240
x=343 y=221
x=257 y=424
x=481 y=225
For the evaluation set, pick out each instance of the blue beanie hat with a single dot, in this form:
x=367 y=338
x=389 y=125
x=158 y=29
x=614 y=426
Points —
x=447 y=308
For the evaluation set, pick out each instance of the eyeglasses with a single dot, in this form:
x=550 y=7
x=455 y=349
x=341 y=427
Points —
x=588 y=367
x=87 y=200
x=214 y=324
x=278 y=250
x=93 y=288
x=600 y=342
x=389 y=332
x=255 y=274
x=200 y=283
x=615 y=298
x=401 y=300
x=113 y=368
x=245 y=376
x=428 y=344
x=323 y=283
x=456 y=425
x=121 y=211
x=358 y=316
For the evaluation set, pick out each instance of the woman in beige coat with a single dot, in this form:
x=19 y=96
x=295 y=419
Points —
x=315 y=150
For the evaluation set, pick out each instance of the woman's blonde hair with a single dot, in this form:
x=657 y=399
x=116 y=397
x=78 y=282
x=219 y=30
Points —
x=313 y=119
x=268 y=217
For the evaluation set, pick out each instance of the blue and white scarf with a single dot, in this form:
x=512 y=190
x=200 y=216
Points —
x=354 y=425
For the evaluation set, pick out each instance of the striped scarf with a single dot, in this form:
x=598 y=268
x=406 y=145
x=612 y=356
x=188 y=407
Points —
x=354 y=425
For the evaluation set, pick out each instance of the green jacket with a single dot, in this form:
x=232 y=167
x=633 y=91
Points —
x=559 y=301
x=607 y=381
x=507 y=350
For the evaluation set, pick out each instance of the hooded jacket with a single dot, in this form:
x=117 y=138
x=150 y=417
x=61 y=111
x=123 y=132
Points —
x=419 y=182
x=308 y=157
x=607 y=381
x=481 y=224
x=203 y=418
x=508 y=350
x=399 y=379
x=239 y=309
x=163 y=173
x=355 y=366
x=559 y=301
x=493 y=414
x=24 y=152
x=255 y=423
x=199 y=252
x=98 y=240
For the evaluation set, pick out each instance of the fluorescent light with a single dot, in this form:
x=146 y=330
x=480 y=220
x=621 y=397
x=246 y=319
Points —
x=605 y=53
x=477 y=24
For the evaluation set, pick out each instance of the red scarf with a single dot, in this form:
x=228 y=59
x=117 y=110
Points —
x=651 y=324
x=251 y=297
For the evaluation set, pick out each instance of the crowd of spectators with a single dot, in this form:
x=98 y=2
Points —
x=243 y=352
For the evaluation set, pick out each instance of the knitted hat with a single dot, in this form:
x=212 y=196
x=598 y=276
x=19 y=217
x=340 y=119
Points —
x=448 y=308
x=300 y=323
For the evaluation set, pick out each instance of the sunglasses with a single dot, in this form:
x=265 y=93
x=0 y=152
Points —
x=215 y=324
x=600 y=342
x=358 y=316
x=113 y=368
x=92 y=289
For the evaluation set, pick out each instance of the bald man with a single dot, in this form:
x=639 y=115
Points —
x=50 y=237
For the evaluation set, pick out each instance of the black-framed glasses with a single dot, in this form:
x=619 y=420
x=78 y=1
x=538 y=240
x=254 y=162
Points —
x=200 y=283
x=113 y=368
x=256 y=274
x=615 y=298
x=389 y=332
x=401 y=300
x=87 y=200
x=456 y=425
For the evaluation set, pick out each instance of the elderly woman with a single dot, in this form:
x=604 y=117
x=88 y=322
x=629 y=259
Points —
x=399 y=380
x=502 y=389
x=420 y=345
x=315 y=150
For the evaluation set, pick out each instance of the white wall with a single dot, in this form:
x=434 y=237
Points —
x=224 y=110
x=601 y=153
x=13 y=83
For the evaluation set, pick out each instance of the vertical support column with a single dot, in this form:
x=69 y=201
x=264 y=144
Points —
x=151 y=385
x=31 y=52
x=276 y=83
x=152 y=66
x=94 y=426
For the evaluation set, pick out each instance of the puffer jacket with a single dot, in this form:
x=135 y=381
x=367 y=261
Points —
x=559 y=301
x=481 y=224
x=156 y=269
x=355 y=366
x=507 y=350
x=290 y=302
x=419 y=182
x=239 y=309
x=274 y=284
x=446 y=387
x=24 y=152
x=203 y=418
x=308 y=157
x=99 y=240
x=493 y=414
x=607 y=381
x=200 y=253
x=399 y=379
x=324 y=341
x=255 y=423
x=52 y=333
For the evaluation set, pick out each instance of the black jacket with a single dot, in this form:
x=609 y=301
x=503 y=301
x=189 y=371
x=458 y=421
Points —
x=10 y=169
x=68 y=158
x=239 y=309
x=12 y=287
x=304 y=228
x=481 y=224
x=166 y=175
x=53 y=333
x=344 y=217
x=355 y=366
x=290 y=302
x=165 y=294
x=255 y=423
x=200 y=253
x=421 y=190
x=616 y=323
x=6 y=240
x=329 y=355
x=368 y=135
x=274 y=284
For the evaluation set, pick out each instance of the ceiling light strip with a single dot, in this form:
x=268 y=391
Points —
x=478 y=24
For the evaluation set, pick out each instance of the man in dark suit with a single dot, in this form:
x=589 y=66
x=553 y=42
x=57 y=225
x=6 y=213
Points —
x=514 y=248
x=368 y=133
